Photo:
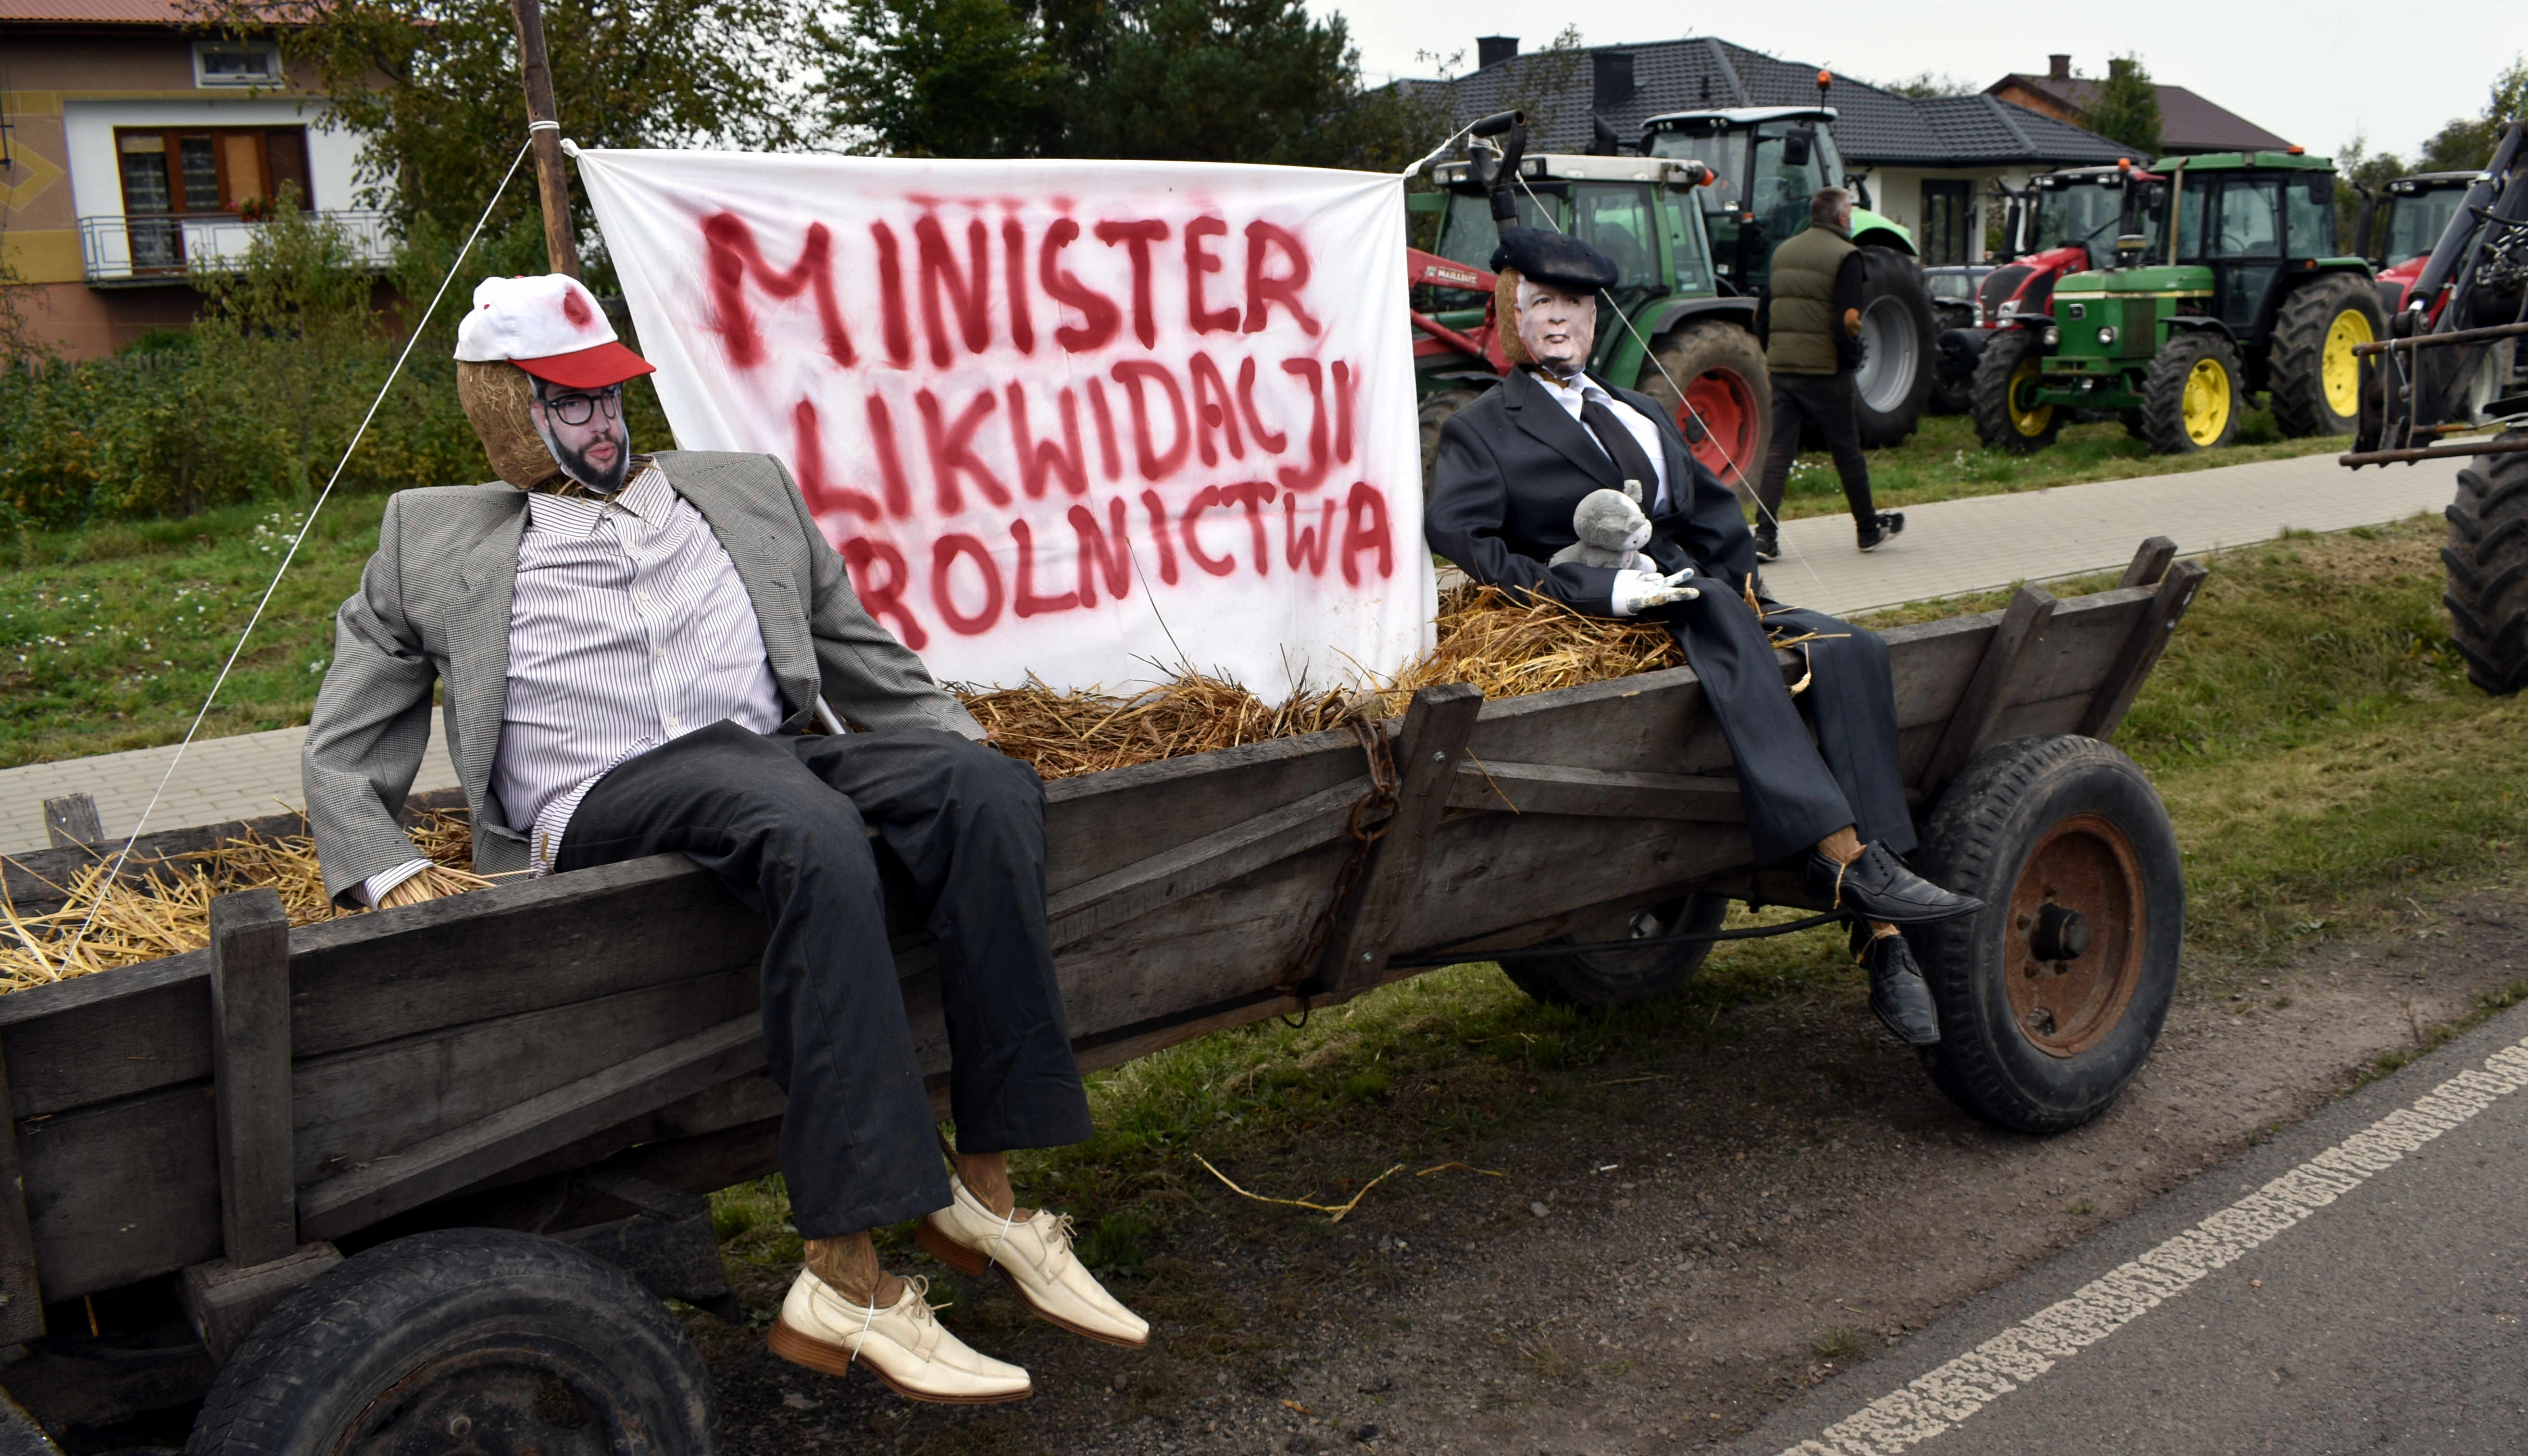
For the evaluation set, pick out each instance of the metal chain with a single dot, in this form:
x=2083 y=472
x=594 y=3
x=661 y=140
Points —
x=1379 y=801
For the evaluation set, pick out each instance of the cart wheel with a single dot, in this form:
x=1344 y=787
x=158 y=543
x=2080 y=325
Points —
x=1613 y=977
x=2052 y=995
x=471 y=1340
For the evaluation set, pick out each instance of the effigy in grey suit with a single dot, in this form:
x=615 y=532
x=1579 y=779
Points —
x=634 y=649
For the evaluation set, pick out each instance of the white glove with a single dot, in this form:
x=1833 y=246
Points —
x=1636 y=589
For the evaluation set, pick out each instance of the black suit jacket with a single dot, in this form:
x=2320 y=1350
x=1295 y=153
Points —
x=1514 y=466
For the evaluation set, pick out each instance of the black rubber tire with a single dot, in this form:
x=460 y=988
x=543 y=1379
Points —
x=2004 y=358
x=2295 y=362
x=2486 y=560
x=1692 y=350
x=2163 y=392
x=1435 y=407
x=1890 y=408
x=1951 y=397
x=1614 y=977
x=1979 y=840
x=533 y=1342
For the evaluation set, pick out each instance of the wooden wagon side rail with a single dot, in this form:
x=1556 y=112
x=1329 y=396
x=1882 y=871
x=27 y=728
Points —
x=554 y=1024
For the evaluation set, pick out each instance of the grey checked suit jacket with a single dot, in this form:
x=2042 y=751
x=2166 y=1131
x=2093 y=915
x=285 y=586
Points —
x=434 y=604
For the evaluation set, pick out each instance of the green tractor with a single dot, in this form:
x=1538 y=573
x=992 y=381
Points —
x=1768 y=162
x=2233 y=285
x=1681 y=340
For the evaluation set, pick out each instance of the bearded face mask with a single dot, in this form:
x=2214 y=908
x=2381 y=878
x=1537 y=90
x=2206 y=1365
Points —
x=586 y=433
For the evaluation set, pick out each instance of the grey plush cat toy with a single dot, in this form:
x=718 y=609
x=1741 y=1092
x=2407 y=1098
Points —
x=1612 y=532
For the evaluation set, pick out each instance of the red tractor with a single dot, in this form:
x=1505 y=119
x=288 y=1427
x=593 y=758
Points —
x=2061 y=224
x=2401 y=225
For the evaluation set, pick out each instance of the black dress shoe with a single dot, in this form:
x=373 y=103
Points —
x=1880 y=525
x=1879 y=887
x=1898 y=995
x=1769 y=547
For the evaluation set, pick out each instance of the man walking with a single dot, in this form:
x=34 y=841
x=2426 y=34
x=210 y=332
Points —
x=1810 y=323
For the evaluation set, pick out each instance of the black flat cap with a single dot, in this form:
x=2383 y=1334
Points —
x=1544 y=256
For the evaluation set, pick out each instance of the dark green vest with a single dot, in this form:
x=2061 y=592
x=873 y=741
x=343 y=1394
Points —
x=1803 y=323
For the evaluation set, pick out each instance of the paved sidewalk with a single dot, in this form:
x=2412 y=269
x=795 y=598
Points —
x=1949 y=547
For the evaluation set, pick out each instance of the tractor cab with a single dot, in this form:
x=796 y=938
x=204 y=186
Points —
x=2062 y=223
x=2239 y=289
x=2405 y=223
x=1767 y=163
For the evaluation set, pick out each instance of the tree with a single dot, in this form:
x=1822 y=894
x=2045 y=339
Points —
x=2363 y=173
x=2126 y=107
x=1923 y=83
x=944 y=78
x=2467 y=143
x=432 y=88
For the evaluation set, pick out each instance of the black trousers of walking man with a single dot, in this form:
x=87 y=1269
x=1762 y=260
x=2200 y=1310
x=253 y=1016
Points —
x=1828 y=403
x=783 y=823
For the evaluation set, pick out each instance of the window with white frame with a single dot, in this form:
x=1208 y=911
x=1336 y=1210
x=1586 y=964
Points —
x=235 y=63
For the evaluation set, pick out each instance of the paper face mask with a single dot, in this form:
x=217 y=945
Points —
x=586 y=433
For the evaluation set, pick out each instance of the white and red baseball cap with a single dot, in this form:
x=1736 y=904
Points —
x=551 y=328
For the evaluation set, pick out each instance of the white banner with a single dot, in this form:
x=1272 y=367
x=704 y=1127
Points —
x=1090 y=420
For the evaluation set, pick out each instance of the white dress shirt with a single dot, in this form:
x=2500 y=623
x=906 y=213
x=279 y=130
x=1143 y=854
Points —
x=1579 y=391
x=628 y=626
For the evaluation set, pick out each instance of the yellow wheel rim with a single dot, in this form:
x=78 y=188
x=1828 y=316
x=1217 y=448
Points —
x=2028 y=420
x=2207 y=401
x=2338 y=370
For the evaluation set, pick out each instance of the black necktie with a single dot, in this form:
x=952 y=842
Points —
x=1622 y=448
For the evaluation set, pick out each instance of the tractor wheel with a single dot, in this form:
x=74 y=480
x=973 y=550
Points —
x=1614 y=977
x=1896 y=331
x=2487 y=557
x=1720 y=368
x=2053 y=994
x=2012 y=365
x=2316 y=377
x=1437 y=406
x=467 y=1340
x=2193 y=394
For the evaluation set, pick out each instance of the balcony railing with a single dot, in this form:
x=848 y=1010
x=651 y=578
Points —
x=163 y=247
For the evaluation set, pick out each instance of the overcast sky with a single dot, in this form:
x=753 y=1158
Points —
x=2312 y=72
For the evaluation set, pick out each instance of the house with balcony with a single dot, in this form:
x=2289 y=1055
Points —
x=137 y=148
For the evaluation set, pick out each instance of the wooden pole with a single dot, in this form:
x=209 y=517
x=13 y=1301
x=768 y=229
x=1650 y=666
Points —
x=562 y=248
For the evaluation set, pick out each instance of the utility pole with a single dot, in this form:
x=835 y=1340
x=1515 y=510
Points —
x=561 y=248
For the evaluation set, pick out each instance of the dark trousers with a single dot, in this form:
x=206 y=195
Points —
x=1798 y=789
x=783 y=823
x=1826 y=402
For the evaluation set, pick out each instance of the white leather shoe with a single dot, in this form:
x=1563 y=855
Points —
x=1035 y=1255
x=902 y=1345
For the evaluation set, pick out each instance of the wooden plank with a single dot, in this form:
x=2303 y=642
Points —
x=354 y=1107
x=2149 y=562
x=1489 y=872
x=71 y=821
x=250 y=1076
x=1100 y=823
x=22 y=1297
x=1189 y=868
x=1990 y=690
x=114 y=1034
x=2114 y=695
x=1553 y=789
x=466 y=1154
x=1427 y=752
x=123 y=1190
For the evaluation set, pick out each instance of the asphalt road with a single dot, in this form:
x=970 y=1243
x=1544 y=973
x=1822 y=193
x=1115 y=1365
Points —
x=2357 y=1284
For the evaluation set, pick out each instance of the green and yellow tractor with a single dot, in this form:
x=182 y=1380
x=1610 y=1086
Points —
x=2232 y=285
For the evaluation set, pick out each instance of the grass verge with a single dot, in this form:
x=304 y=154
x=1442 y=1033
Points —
x=1942 y=460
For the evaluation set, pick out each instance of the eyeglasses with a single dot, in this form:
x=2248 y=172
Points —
x=578 y=409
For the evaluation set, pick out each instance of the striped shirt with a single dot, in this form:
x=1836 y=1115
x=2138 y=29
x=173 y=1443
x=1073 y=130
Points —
x=629 y=626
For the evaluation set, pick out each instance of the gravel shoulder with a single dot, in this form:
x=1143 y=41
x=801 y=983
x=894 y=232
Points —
x=1661 y=1260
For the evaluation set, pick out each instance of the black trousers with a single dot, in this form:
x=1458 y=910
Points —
x=1826 y=402
x=783 y=823
x=1798 y=789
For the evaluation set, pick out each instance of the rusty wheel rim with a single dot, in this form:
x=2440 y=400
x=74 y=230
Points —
x=2065 y=1006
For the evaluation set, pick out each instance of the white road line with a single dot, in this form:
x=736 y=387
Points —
x=1933 y=1402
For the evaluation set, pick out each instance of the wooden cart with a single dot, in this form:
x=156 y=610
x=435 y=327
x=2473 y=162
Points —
x=542 y=1079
